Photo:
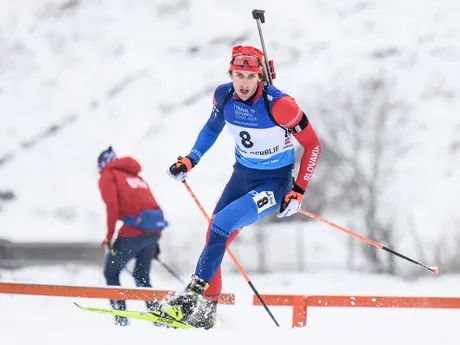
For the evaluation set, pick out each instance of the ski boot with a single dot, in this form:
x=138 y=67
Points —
x=154 y=307
x=205 y=315
x=181 y=307
x=120 y=320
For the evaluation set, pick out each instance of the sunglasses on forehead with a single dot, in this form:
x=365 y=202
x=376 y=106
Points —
x=249 y=60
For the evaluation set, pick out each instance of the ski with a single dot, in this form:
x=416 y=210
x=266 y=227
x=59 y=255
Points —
x=140 y=315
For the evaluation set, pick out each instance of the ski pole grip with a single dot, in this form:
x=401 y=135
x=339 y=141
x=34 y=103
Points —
x=259 y=14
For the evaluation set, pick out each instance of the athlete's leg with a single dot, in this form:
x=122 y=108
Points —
x=236 y=187
x=265 y=194
x=214 y=290
x=253 y=206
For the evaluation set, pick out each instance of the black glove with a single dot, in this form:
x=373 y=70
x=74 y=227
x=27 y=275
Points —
x=179 y=170
x=157 y=251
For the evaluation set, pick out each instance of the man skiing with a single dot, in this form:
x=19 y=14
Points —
x=128 y=198
x=263 y=121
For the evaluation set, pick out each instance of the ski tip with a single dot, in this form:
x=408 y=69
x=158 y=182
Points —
x=77 y=304
x=435 y=269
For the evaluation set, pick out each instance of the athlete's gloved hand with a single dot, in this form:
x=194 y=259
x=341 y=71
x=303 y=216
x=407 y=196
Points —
x=179 y=170
x=107 y=246
x=291 y=202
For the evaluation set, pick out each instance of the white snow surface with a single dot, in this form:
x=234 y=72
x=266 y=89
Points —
x=54 y=320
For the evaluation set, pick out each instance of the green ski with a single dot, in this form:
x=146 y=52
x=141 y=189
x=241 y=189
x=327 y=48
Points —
x=140 y=315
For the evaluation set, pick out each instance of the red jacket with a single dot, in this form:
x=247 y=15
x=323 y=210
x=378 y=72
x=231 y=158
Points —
x=125 y=194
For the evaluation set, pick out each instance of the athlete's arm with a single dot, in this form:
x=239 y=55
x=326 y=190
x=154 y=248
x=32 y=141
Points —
x=289 y=115
x=209 y=133
x=108 y=188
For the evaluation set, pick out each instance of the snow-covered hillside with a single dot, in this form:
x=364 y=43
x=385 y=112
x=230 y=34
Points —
x=139 y=75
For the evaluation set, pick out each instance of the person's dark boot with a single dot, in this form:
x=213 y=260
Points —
x=205 y=315
x=181 y=307
x=152 y=306
x=120 y=320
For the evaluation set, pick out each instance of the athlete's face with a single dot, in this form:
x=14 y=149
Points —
x=245 y=83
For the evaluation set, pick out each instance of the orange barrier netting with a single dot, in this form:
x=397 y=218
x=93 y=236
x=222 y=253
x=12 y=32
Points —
x=95 y=292
x=300 y=303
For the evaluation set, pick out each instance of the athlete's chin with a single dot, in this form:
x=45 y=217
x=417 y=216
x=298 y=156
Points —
x=244 y=96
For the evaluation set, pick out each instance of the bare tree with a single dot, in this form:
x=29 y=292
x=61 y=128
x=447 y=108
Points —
x=360 y=131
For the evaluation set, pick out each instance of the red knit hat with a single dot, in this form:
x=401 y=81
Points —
x=246 y=58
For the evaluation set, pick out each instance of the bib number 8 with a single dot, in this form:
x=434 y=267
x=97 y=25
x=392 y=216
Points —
x=246 y=139
x=264 y=200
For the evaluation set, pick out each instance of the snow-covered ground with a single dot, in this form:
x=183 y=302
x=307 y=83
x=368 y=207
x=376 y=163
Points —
x=53 y=320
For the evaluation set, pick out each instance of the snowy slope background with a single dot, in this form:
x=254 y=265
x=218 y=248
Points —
x=139 y=75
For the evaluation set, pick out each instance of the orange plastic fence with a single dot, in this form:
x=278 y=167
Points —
x=95 y=292
x=384 y=302
x=300 y=303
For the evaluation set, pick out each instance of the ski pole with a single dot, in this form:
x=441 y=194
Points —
x=240 y=268
x=169 y=269
x=259 y=16
x=372 y=243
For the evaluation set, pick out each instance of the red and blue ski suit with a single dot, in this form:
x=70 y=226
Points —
x=263 y=128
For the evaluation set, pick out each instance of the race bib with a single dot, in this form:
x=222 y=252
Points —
x=264 y=200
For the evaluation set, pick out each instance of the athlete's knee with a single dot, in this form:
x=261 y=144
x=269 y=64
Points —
x=217 y=230
x=222 y=225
